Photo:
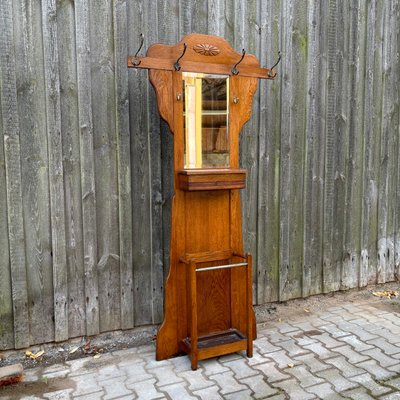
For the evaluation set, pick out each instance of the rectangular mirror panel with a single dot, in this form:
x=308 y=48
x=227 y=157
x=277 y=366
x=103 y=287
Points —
x=206 y=112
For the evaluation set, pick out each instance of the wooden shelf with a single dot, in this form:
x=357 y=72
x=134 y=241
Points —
x=211 y=179
x=216 y=344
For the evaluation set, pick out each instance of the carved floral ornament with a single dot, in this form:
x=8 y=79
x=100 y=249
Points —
x=206 y=49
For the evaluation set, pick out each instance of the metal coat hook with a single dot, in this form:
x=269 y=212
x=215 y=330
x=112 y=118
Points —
x=176 y=65
x=279 y=60
x=135 y=61
x=235 y=71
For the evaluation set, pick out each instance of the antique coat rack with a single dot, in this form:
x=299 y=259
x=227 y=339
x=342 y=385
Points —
x=204 y=92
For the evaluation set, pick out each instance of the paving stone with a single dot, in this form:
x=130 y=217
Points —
x=369 y=383
x=259 y=387
x=114 y=388
x=393 y=338
x=352 y=356
x=391 y=396
x=339 y=383
x=321 y=351
x=328 y=341
x=395 y=383
x=271 y=372
x=274 y=336
x=86 y=384
x=165 y=375
x=281 y=359
x=334 y=331
x=324 y=391
x=358 y=394
x=32 y=375
x=135 y=372
x=383 y=359
x=240 y=368
x=64 y=394
x=264 y=346
x=230 y=357
x=358 y=330
x=374 y=369
x=90 y=396
x=145 y=390
x=177 y=391
x=109 y=371
x=257 y=358
x=227 y=383
x=357 y=344
x=291 y=348
x=394 y=368
x=180 y=364
x=313 y=364
x=385 y=346
x=345 y=368
x=305 y=377
x=244 y=394
x=210 y=393
x=292 y=388
x=212 y=367
x=196 y=379
x=285 y=327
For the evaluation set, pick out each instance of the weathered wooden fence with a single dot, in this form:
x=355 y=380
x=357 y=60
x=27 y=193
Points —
x=85 y=161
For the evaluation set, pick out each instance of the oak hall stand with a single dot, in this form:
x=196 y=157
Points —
x=204 y=92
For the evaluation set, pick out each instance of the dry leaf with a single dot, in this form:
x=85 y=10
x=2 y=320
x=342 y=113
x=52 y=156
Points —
x=290 y=365
x=306 y=310
x=74 y=349
x=34 y=356
x=38 y=354
x=389 y=294
x=97 y=356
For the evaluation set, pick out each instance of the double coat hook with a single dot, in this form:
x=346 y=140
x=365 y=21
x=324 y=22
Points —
x=271 y=69
x=136 y=61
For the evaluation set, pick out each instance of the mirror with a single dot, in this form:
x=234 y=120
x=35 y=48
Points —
x=206 y=111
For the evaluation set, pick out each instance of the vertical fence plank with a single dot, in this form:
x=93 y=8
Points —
x=71 y=168
x=342 y=113
x=168 y=32
x=293 y=120
x=105 y=161
x=124 y=164
x=6 y=304
x=353 y=256
x=248 y=29
x=314 y=150
x=56 y=176
x=267 y=267
x=390 y=121
x=82 y=25
x=380 y=146
x=141 y=179
x=370 y=170
x=11 y=132
x=331 y=274
x=34 y=167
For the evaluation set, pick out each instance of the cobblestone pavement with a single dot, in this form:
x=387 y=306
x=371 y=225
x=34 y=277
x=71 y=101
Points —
x=350 y=351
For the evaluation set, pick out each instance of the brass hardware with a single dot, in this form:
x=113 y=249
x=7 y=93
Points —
x=179 y=96
x=235 y=100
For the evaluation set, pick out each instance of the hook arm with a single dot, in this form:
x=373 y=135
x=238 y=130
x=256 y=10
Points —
x=235 y=71
x=176 y=65
x=135 y=61
x=279 y=60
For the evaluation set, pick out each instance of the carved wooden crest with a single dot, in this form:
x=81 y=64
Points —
x=206 y=49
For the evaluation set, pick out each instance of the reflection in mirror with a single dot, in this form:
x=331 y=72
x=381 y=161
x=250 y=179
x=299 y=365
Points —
x=206 y=120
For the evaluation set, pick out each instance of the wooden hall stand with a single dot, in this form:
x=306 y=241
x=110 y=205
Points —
x=204 y=92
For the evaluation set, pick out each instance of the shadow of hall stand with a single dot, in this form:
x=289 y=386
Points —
x=204 y=92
